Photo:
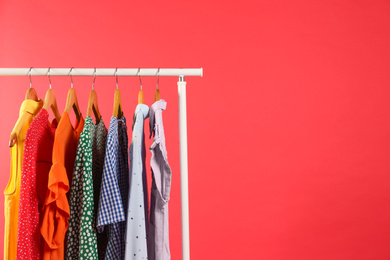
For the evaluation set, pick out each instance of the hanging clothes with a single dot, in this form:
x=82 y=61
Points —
x=114 y=189
x=56 y=208
x=161 y=187
x=98 y=155
x=81 y=238
x=137 y=215
x=30 y=109
x=37 y=161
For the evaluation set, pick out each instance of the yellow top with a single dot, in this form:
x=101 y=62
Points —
x=28 y=110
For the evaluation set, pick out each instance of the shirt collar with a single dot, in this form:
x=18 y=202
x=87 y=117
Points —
x=143 y=109
x=31 y=106
x=123 y=118
x=162 y=105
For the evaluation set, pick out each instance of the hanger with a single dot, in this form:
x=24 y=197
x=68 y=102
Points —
x=117 y=112
x=93 y=102
x=51 y=102
x=31 y=94
x=141 y=92
x=157 y=92
x=71 y=101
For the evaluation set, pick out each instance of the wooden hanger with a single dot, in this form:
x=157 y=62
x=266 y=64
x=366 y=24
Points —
x=51 y=102
x=71 y=101
x=157 y=95
x=141 y=97
x=157 y=92
x=141 y=92
x=30 y=94
x=117 y=112
x=117 y=104
x=93 y=106
x=93 y=102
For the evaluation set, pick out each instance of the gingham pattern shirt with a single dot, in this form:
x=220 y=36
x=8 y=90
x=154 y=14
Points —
x=111 y=203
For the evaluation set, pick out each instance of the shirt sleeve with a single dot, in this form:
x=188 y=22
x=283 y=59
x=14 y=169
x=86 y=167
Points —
x=56 y=207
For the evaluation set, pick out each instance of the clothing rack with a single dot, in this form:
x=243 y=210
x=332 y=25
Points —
x=181 y=73
x=99 y=72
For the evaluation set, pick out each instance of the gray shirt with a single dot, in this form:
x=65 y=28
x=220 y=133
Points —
x=161 y=185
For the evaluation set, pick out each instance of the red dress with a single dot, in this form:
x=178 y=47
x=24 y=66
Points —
x=34 y=179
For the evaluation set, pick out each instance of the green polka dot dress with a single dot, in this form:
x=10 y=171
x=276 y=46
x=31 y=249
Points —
x=82 y=242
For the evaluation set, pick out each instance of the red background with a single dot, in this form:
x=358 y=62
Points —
x=288 y=129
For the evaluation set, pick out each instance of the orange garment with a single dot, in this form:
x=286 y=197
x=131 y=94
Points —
x=56 y=207
x=28 y=110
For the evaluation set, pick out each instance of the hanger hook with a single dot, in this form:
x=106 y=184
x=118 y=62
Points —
x=139 y=76
x=116 y=76
x=48 y=74
x=29 y=75
x=158 y=76
x=71 y=78
x=94 y=77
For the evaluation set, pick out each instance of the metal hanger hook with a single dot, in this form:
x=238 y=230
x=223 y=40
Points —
x=158 y=76
x=71 y=78
x=139 y=76
x=29 y=75
x=116 y=77
x=94 y=77
x=48 y=74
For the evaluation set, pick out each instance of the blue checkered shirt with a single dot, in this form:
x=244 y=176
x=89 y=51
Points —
x=114 y=189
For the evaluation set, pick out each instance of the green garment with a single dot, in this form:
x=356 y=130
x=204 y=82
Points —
x=82 y=241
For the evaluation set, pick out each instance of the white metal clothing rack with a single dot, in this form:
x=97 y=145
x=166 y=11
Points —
x=181 y=73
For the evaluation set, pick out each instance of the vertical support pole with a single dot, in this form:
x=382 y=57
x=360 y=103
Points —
x=185 y=225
